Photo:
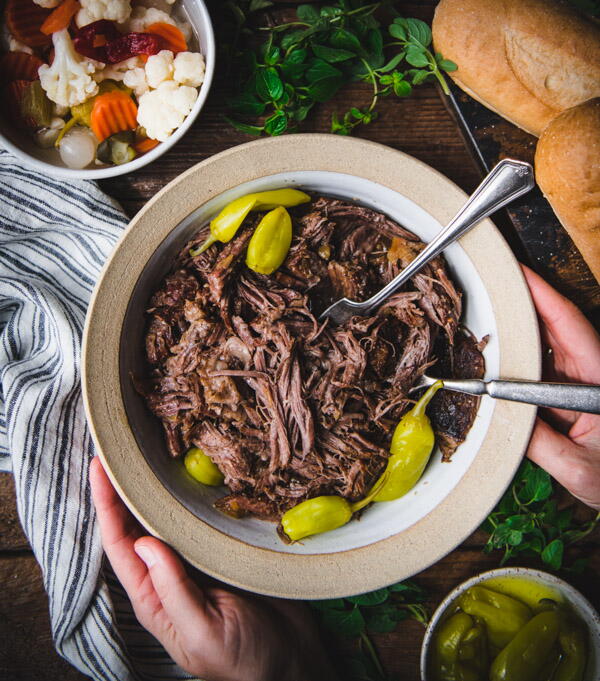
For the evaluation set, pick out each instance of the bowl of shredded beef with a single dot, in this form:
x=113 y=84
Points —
x=287 y=407
x=184 y=351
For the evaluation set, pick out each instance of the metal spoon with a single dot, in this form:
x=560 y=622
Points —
x=506 y=181
x=571 y=396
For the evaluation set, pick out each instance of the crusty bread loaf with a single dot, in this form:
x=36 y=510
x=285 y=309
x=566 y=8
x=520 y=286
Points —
x=567 y=164
x=528 y=60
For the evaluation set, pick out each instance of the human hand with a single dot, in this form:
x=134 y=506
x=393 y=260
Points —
x=211 y=632
x=569 y=451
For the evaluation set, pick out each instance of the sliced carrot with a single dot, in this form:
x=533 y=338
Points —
x=113 y=112
x=60 y=17
x=19 y=66
x=173 y=38
x=145 y=145
x=24 y=19
x=13 y=94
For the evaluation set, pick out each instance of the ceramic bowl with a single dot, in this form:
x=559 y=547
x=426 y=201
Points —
x=48 y=160
x=582 y=608
x=392 y=540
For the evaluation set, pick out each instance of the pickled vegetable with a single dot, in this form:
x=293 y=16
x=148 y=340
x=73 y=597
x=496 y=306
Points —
x=202 y=468
x=36 y=105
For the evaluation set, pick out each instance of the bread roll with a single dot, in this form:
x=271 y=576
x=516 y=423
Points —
x=567 y=164
x=528 y=60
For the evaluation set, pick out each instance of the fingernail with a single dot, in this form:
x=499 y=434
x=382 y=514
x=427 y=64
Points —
x=146 y=554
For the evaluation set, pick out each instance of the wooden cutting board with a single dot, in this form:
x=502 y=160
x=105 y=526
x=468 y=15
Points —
x=545 y=242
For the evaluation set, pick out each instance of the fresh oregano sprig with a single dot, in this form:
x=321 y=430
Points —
x=307 y=61
x=528 y=521
x=378 y=611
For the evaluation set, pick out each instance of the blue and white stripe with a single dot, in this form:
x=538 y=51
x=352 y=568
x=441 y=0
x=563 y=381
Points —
x=54 y=238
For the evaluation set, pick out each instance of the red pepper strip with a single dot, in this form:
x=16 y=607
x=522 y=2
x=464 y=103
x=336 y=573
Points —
x=117 y=47
x=85 y=40
x=132 y=44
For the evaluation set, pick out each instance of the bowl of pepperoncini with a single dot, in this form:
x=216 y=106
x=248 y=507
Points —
x=512 y=624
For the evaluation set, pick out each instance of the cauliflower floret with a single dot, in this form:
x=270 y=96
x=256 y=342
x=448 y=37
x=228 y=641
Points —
x=93 y=10
x=159 y=68
x=163 y=5
x=142 y=17
x=118 y=71
x=163 y=110
x=136 y=80
x=48 y=4
x=189 y=69
x=69 y=80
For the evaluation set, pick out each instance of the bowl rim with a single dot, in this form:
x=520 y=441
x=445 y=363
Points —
x=575 y=598
x=149 y=157
x=263 y=570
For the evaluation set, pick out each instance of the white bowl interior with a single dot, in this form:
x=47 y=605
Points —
x=49 y=161
x=582 y=608
x=381 y=520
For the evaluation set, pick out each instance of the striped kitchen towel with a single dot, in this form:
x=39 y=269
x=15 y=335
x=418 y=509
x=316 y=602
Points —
x=54 y=238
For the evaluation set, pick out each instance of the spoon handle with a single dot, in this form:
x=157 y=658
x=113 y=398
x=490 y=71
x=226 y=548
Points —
x=508 y=180
x=571 y=396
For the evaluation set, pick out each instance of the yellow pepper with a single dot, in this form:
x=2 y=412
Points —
x=322 y=514
x=270 y=242
x=202 y=468
x=412 y=444
x=224 y=227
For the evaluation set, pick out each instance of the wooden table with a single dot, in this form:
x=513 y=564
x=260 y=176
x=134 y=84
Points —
x=422 y=126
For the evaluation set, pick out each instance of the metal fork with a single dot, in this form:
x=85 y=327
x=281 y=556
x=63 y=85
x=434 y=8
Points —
x=508 y=180
x=571 y=396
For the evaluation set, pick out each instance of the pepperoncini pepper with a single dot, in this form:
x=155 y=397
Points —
x=224 y=227
x=524 y=657
x=322 y=514
x=572 y=641
x=412 y=444
x=202 y=468
x=456 y=634
x=270 y=242
x=502 y=615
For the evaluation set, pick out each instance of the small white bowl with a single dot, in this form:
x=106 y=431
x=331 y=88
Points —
x=580 y=605
x=49 y=162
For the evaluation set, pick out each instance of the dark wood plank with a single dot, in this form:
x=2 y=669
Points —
x=11 y=534
x=26 y=649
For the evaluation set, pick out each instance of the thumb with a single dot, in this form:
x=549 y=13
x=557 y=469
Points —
x=180 y=597
x=556 y=454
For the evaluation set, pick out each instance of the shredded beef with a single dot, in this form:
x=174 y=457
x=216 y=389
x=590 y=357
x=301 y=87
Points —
x=287 y=407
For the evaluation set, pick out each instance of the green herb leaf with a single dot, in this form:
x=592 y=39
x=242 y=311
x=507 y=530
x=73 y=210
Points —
x=447 y=65
x=332 y=54
x=243 y=127
x=371 y=598
x=268 y=84
x=399 y=29
x=552 y=555
x=415 y=56
x=419 y=31
x=320 y=69
x=381 y=623
x=348 y=623
x=392 y=63
x=345 y=40
x=330 y=604
x=325 y=88
x=276 y=124
x=308 y=13
x=247 y=105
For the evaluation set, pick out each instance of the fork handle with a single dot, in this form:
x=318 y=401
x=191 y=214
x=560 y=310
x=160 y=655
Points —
x=508 y=180
x=571 y=396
